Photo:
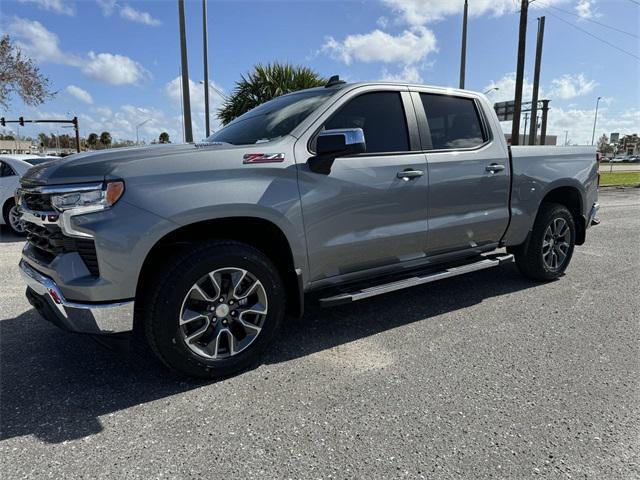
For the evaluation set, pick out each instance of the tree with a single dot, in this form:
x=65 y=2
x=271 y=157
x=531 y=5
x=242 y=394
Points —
x=603 y=144
x=265 y=83
x=105 y=139
x=164 y=138
x=19 y=74
x=92 y=140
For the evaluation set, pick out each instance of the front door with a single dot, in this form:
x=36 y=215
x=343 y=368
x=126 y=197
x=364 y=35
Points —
x=365 y=214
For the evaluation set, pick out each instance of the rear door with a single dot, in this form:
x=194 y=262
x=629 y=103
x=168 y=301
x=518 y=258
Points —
x=364 y=214
x=468 y=173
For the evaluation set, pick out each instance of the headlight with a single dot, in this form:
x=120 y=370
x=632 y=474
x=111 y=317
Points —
x=98 y=199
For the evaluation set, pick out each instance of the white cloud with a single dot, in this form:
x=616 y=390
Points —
x=113 y=69
x=579 y=123
x=420 y=12
x=382 y=22
x=56 y=6
x=562 y=88
x=127 y=12
x=584 y=9
x=38 y=43
x=173 y=91
x=570 y=86
x=410 y=47
x=134 y=15
x=409 y=74
x=79 y=94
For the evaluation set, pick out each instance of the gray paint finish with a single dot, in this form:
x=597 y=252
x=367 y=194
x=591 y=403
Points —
x=360 y=220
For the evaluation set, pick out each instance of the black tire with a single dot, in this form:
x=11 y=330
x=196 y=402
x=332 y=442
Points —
x=163 y=304
x=6 y=210
x=530 y=256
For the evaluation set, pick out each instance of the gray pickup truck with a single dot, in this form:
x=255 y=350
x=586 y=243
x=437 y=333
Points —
x=337 y=194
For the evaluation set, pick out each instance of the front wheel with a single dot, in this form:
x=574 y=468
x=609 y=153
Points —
x=547 y=253
x=215 y=309
x=12 y=219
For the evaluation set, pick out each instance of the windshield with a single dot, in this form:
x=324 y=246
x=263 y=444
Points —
x=273 y=119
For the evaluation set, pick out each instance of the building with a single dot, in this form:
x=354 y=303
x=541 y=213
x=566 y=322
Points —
x=17 y=146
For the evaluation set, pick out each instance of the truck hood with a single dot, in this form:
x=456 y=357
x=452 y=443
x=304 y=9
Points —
x=95 y=166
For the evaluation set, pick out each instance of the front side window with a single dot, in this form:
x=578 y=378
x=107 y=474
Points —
x=453 y=122
x=273 y=119
x=381 y=117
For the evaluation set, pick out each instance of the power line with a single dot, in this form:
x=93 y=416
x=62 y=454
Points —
x=594 y=36
x=591 y=20
x=635 y=1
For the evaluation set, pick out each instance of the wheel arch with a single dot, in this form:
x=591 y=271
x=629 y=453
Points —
x=571 y=197
x=271 y=240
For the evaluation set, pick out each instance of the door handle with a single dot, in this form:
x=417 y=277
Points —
x=408 y=174
x=494 y=167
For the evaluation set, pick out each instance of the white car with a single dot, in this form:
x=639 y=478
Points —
x=12 y=167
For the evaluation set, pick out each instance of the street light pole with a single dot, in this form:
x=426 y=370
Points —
x=491 y=90
x=186 y=101
x=205 y=49
x=137 y=127
x=566 y=137
x=595 y=120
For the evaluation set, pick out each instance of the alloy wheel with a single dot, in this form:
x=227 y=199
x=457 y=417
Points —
x=14 y=220
x=556 y=243
x=223 y=313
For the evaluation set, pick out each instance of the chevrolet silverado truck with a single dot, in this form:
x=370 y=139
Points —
x=335 y=194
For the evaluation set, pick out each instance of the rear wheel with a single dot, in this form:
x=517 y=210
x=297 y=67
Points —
x=215 y=309
x=547 y=253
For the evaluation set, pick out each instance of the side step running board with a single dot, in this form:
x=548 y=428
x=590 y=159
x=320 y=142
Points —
x=356 y=295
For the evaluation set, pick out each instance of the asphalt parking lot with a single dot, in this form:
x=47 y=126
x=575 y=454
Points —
x=483 y=376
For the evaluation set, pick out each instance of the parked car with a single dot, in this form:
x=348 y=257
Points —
x=338 y=193
x=12 y=167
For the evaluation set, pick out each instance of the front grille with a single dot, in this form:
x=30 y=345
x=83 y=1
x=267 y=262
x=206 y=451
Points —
x=38 y=202
x=48 y=241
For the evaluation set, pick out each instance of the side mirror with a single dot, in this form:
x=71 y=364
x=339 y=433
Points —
x=331 y=144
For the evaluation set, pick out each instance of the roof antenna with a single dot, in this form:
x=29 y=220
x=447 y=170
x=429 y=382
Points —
x=334 y=80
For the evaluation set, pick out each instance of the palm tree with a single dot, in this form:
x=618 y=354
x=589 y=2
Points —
x=263 y=84
x=164 y=138
x=105 y=139
x=92 y=140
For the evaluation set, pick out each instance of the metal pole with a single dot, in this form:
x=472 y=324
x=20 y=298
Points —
x=526 y=120
x=463 y=52
x=522 y=41
x=566 y=137
x=595 y=120
x=205 y=49
x=536 y=82
x=77 y=129
x=543 y=128
x=188 y=133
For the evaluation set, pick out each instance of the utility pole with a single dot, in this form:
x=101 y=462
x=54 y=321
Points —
x=526 y=120
x=543 y=127
x=536 y=82
x=205 y=49
x=522 y=41
x=595 y=120
x=463 y=53
x=566 y=137
x=188 y=133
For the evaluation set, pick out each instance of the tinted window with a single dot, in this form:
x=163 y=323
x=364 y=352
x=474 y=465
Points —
x=273 y=119
x=6 y=170
x=453 y=122
x=381 y=117
x=39 y=160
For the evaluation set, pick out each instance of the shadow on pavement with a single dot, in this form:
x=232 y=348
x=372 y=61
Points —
x=7 y=236
x=55 y=385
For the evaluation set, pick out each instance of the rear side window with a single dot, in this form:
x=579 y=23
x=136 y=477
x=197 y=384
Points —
x=381 y=117
x=6 y=170
x=453 y=122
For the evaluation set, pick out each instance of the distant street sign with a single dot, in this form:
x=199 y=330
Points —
x=614 y=138
x=505 y=110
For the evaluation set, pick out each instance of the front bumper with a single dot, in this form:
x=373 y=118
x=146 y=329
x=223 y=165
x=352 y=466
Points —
x=93 y=318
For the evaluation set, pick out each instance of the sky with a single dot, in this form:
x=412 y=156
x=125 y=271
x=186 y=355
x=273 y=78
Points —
x=115 y=63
